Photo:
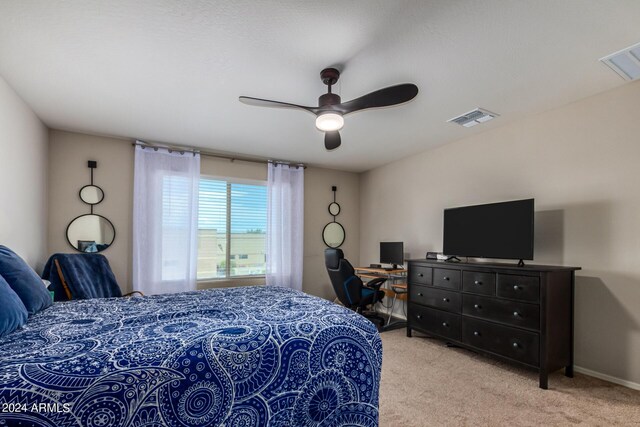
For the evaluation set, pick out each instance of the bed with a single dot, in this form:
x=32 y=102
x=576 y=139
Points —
x=248 y=356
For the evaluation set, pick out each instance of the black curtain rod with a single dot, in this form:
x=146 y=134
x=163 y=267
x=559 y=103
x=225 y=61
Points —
x=183 y=150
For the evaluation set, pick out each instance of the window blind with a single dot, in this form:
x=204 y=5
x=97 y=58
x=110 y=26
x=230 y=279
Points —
x=248 y=229
x=232 y=221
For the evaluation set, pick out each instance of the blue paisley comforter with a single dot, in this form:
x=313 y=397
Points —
x=251 y=356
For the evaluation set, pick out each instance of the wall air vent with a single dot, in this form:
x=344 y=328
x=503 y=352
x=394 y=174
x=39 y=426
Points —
x=626 y=62
x=472 y=118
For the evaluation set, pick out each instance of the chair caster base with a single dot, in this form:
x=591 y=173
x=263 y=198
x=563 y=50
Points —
x=377 y=320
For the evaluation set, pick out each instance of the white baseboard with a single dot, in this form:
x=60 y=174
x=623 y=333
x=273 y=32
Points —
x=606 y=377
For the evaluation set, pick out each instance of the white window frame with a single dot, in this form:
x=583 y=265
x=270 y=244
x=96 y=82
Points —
x=231 y=180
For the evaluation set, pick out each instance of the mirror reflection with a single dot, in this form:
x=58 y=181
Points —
x=333 y=235
x=334 y=208
x=91 y=233
x=91 y=194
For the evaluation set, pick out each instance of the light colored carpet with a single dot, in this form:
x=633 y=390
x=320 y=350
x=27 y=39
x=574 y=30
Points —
x=425 y=383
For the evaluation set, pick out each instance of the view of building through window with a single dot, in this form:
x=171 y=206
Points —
x=232 y=225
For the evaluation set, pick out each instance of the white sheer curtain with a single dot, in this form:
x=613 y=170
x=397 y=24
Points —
x=165 y=221
x=285 y=225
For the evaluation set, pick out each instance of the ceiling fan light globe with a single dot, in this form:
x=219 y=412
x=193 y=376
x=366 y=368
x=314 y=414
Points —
x=329 y=122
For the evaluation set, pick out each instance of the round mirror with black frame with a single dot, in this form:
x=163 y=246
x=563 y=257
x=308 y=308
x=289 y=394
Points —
x=333 y=235
x=90 y=233
x=91 y=194
x=334 y=209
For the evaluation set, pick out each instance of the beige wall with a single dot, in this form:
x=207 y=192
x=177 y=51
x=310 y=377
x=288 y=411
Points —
x=581 y=163
x=23 y=179
x=68 y=172
x=317 y=197
x=69 y=153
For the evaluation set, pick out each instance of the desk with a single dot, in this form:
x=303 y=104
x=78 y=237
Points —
x=374 y=273
x=395 y=278
x=380 y=272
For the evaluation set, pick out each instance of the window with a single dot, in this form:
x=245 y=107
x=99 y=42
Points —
x=232 y=224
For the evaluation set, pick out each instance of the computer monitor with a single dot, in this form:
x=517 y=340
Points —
x=392 y=253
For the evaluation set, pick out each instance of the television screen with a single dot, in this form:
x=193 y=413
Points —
x=496 y=230
x=391 y=252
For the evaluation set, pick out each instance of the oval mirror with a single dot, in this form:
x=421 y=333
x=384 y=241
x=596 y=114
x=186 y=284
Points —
x=334 y=208
x=333 y=235
x=91 y=194
x=90 y=233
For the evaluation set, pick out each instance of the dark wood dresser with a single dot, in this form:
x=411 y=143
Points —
x=517 y=314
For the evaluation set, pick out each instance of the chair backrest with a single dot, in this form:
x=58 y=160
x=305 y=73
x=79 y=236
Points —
x=81 y=276
x=346 y=284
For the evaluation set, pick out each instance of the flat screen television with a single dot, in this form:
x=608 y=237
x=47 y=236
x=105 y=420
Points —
x=392 y=253
x=496 y=230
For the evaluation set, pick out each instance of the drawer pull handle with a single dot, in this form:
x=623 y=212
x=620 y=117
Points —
x=516 y=345
x=446 y=277
x=478 y=306
x=445 y=324
x=420 y=294
x=420 y=275
x=445 y=299
x=476 y=333
x=516 y=314
x=477 y=282
x=419 y=316
x=516 y=287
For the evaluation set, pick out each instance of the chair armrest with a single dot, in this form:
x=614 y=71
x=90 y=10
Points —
x=375 y=285
x=130 y=294
x=62 y=281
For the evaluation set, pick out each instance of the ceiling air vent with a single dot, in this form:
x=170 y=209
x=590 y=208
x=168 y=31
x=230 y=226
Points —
x=472 y=118
x=625 y=62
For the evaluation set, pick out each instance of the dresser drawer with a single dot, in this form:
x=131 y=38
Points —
x=514 y=343
x=446 y=278
x=523 y=288
x=438 y=298
x=513 y=313
x=479 y=283
x=435 y=321
x=419 y=274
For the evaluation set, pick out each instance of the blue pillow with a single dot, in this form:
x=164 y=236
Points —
x=24 y=281
x=13 y=314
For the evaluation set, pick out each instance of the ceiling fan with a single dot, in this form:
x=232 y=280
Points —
x=330 y=111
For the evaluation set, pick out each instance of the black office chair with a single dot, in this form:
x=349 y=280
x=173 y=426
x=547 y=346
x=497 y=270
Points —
x=350 y=290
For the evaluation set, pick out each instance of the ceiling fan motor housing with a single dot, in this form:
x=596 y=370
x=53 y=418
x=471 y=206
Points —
x=328 y=99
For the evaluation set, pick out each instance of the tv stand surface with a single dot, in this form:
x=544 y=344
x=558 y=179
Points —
x=483 y=264
x=522 y=315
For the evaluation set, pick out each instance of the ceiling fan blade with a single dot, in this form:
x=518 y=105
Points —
x=258 y=102
x=386 y=97
x=332 y=140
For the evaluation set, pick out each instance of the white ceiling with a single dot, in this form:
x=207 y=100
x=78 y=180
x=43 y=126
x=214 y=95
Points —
x=172 y=71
